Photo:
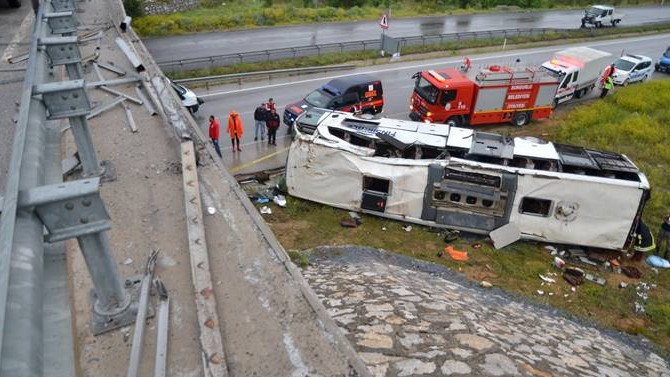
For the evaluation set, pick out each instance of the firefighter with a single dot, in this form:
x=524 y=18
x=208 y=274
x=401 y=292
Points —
x=664 y=238
x=644 y=241
x=609 y=83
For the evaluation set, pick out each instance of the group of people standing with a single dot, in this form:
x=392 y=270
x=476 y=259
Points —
x=265 y=116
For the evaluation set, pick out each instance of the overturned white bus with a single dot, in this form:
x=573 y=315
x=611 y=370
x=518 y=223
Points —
x=459 y=178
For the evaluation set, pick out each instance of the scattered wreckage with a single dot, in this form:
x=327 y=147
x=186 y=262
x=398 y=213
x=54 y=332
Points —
x=459 y=178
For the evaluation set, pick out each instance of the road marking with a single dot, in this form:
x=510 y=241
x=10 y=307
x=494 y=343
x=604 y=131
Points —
x=511 y=54
x=256 y=161
x=254 y=142
x=18 y=37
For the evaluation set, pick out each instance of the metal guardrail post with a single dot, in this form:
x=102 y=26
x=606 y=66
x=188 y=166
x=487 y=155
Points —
x=65 y=210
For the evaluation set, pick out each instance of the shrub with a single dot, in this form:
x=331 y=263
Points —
x=134 y=8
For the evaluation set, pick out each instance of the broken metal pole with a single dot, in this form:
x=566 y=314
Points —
x=121 y=94
x=112 y=68
x=113 y=82
x=147 y=103
x=129 y=116
x=98 y=73
x=162 y=330
x=130 y=54
x=138 y=334
x=102 y=108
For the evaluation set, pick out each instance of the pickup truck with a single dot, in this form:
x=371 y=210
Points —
x=600 y=15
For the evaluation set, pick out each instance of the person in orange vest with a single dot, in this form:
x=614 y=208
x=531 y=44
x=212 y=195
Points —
x=235 y=129
x=214 y=131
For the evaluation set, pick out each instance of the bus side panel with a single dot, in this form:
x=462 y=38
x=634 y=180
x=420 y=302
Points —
x=579 y=211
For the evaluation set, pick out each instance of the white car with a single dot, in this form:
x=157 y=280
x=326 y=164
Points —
x=188 y=98
x=631 y=68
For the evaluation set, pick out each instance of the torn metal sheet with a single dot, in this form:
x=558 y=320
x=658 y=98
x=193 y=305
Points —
x=505 y=235
x=430 y=174
x=69 y=164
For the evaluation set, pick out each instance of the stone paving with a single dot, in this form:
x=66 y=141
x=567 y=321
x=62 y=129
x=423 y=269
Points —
x=408 y=318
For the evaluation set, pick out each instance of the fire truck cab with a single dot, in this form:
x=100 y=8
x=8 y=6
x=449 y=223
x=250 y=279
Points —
x=495 y=94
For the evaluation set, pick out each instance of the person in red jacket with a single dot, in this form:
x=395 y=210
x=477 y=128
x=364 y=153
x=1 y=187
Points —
x=214 y=131
x=273 y=124
x=235 y=129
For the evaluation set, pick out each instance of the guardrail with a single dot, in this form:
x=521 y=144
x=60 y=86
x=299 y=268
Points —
x=40 y=211
x=328 y=48
x=367 y=45
x=262 y=74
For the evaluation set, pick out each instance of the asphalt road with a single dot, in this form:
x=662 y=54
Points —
x=257 y=155
x=218 y=43
x=15 y=31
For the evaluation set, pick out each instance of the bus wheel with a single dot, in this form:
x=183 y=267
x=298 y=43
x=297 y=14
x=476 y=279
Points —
x=521 y=119
x=453 y=121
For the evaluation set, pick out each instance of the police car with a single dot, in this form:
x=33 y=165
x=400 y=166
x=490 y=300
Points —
x=631 y=68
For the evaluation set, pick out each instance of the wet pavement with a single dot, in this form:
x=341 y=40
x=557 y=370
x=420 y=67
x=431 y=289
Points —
x=406 y=318
x=260 y=39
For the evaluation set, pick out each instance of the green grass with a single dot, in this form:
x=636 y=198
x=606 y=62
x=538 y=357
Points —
x=634 y=121
x=217 y=16
x=372 y=57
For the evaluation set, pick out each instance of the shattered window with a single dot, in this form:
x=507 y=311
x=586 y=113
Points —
x=535 y=206
x=376 y=184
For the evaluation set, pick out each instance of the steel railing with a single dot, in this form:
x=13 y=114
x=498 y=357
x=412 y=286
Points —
x=371 y=45
x=39 y=210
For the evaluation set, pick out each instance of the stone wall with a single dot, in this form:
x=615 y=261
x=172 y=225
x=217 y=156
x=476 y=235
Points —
x=168 y=6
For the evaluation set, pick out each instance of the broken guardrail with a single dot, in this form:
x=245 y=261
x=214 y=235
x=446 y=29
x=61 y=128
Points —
x=39 y=210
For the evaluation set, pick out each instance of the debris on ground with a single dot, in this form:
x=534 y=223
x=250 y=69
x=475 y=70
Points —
x=128 y=261
x=631 y=272
x=211 y=210
x=280 y=200
x=540 y=292
x=559 y=263
x=265 y=210
x=476 y=245
x=595 y=279
x=551 y=249
x=573 y=279
x=486 y=284
x=456 y=254
x=356 y=217
x=623 y=284
x=384 y=228
x=262 y=199
x=451 y=236
x=576 y=253
x=639 y=308
x=407 y=228
x=349 y=223
x=656 y=261
x=587 y=261
x=546 y=279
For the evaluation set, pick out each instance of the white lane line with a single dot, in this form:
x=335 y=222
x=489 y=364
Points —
x=512 y=54
x=18 y=37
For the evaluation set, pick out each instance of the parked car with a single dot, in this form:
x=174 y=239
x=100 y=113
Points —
x=663 y=64
x=188 y=98
x=631 y=68
x=342 y=94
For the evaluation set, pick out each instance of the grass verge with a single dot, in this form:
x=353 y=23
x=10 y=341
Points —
x=372 y=57
x=251 y=14
x=632 y=121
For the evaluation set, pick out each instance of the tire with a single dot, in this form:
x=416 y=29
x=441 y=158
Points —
x=625 y=83
x=579 y=93
x=554 y=104
x=613 y=23
x=14 y=3
x=644 y=78
x=521 y=119
x=453 y=121
x=599 y=24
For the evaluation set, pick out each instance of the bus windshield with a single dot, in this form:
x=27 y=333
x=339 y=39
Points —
x=426 y=90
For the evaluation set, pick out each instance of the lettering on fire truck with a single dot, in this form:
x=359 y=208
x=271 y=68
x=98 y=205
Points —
x=521 y=87
x=518 y=96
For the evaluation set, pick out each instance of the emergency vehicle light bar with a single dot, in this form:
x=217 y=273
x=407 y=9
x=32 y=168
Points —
x=436 y=75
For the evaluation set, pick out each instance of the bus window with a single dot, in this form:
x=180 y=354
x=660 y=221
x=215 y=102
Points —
x=535 y=206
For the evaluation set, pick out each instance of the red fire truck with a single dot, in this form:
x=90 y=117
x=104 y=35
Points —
x=489 y=95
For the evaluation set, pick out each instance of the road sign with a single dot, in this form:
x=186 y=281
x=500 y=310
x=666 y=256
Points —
x=384 y=22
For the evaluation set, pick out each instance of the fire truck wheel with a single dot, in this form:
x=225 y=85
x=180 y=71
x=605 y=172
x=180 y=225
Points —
x=521 y=119
x=453 y=122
